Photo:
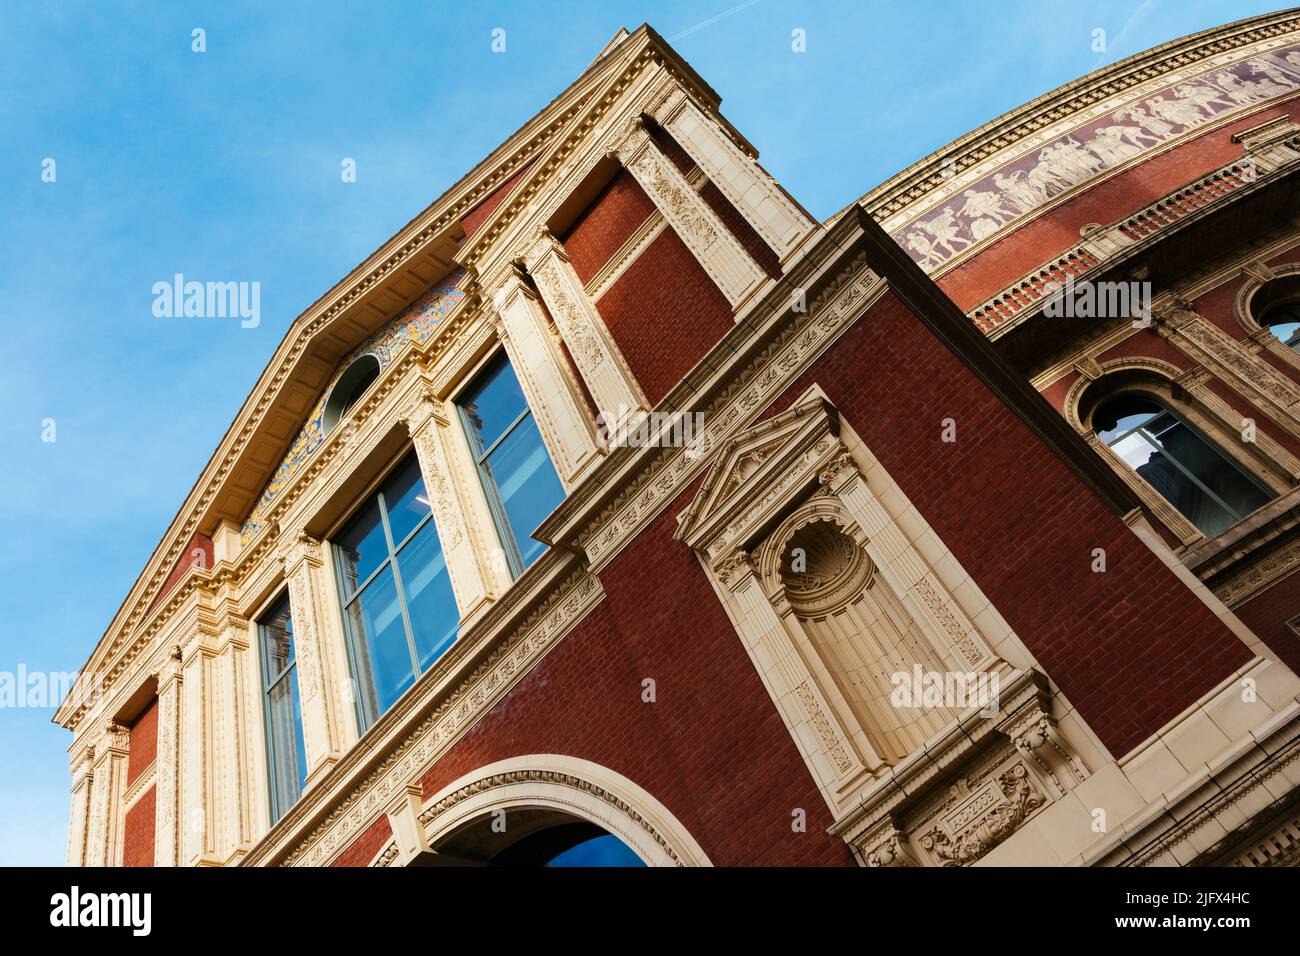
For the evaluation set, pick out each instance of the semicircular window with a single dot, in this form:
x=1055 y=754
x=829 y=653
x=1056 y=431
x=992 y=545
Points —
x=347 y=391
x=1283 y=320
x=1207 y=488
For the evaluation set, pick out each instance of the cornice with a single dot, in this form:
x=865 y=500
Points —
x=945 y=165
x=435 y=224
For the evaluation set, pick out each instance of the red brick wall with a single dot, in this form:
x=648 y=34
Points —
x=364 y=848
x=712 y=748
x=138 y=831
x=478 y=215
x=144 y=742
x=1025 y=249
x=664 y=313
x=197 y=543
x=607 y=224
x=1267 y=613
x=1130 y=647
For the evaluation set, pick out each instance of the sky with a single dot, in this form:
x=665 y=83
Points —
x=225 y=165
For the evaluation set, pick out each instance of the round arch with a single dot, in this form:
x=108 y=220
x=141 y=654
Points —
x=569 y=786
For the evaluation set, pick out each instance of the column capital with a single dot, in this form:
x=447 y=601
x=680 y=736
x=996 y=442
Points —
x=296 y=547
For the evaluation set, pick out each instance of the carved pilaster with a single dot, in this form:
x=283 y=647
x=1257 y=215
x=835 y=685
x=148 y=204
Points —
x=303 y=560
x=601 y=364
x=566 y=426
x=747 y=186
x=712 y=244
x=104 y=831
x=1233 y=361
x=166 y=844
x=475 y=579
x=82 y=764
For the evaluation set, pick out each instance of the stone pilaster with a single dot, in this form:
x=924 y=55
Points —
x=166 y=815
x=104 y=832
x=712 y=244
x=83 y=775
x=476 y=565
x=777 y=218
x=196 y=750
x=1235 y=363
x=303 y=564
x=609 y=379
x=233 y=669
x=567 y=427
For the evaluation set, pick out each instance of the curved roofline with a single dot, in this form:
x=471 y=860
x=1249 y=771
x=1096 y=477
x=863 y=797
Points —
x=896 y=193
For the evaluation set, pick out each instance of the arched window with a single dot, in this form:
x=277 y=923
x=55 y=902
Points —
x=1283 y=320
x=347 y=391
x=1200 y=481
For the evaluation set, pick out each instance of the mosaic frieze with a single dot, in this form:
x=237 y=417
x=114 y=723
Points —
x=416 y=323
x=1019 y=187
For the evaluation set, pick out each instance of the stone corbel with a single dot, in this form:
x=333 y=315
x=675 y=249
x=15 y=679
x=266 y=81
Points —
x=404 y=818
x=1032 y=730
x=885 y=845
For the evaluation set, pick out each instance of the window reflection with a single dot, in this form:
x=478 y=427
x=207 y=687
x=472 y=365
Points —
x=517 y=475
x=1195 y=477
x=286 y=757
x=1284 y=322
x=398 y=607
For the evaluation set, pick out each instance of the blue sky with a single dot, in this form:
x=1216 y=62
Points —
x=225 y=166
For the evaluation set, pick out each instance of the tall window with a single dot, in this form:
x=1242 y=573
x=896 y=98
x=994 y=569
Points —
x=286 y=758
x=398 y=607
x=1197 y=479
x=518 y=478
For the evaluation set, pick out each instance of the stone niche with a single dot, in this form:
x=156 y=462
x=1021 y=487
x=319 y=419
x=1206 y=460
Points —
x=830 y=593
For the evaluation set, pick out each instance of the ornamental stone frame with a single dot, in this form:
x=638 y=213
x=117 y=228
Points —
x=789 y=473
x=777 y=218
x=1270 y=462
x=1257 y=274
x=569 y=785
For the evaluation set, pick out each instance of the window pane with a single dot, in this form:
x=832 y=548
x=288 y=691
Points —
x=1123 y=415
x=429 y=600
x=277 y=637
x=375 y=619
x=284 y=738
x=405 y=498
x=1204 y=485
x=492 y=404
x=530 y=489
x=361 y=548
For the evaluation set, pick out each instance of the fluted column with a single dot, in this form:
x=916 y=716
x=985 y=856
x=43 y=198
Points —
x=303 y=562
x=600 y=362
x=83 y=774
x=104 y=833
x=166 y=763
x=476 y=565
x=712 y=244
x=764 y=204
x=566 y=425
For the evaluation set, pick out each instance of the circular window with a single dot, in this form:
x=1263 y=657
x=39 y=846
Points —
x=1276 y=306
x=347 y=391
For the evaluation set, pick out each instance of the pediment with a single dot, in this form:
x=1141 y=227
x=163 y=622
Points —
x=775 y=452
